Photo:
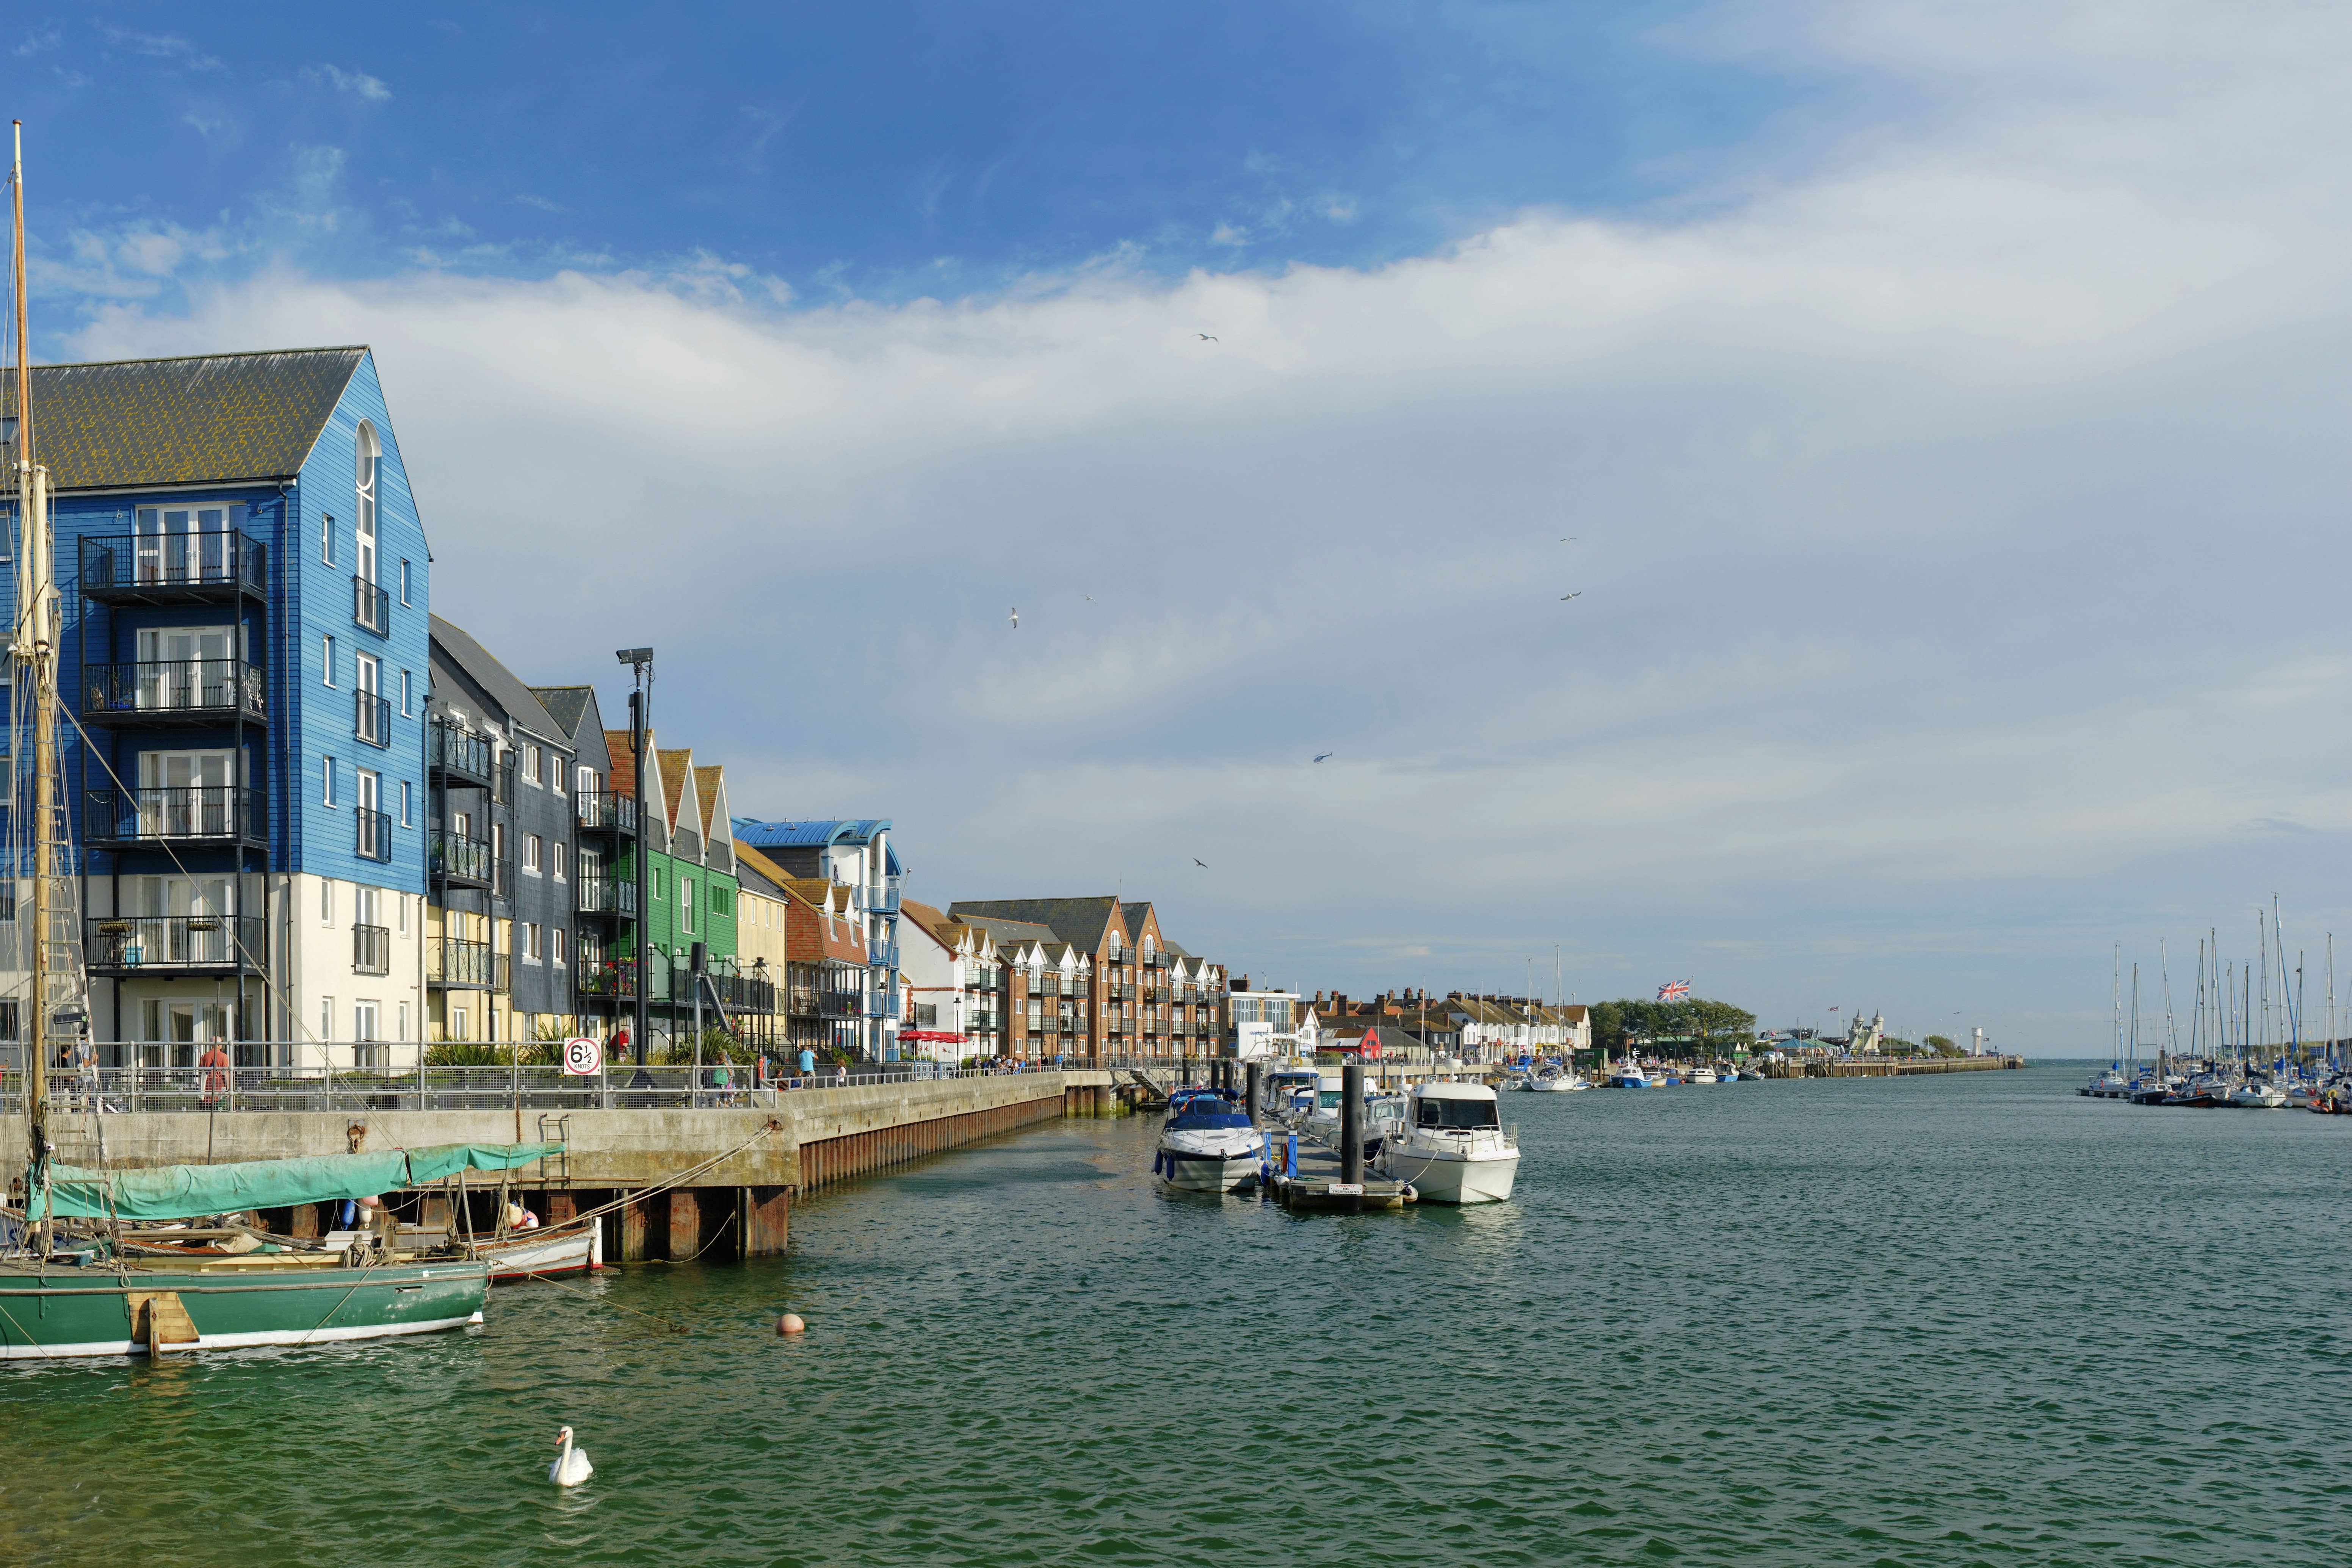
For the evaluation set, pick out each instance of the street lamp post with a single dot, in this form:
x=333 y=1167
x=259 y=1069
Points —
x=640 y=660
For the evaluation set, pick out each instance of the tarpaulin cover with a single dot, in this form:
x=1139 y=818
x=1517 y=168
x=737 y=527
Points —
x=185 y=1191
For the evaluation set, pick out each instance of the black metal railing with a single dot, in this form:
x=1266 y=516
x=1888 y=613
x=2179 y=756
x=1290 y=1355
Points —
x=604 y=895
x=373 y=833
x=371 y=606
x=454 y=963
x=371 y=950
x=174 y=689
x=147 y=943
x=503 y=875
x=840 y=1003
x=606 y=811
x=372 y=718
x=185 y=812
x=457 y=751
x=502 y=784
x=165 y=566
x=456 y=857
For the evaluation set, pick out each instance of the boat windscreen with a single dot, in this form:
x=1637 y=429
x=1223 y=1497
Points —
x=1456 y=1113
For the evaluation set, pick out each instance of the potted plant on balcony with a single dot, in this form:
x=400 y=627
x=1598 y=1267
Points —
x=114 y=927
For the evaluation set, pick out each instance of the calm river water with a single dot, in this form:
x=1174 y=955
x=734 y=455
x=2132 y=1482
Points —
x=1930 y=1321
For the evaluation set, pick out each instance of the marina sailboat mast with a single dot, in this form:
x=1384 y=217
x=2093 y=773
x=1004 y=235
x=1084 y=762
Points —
x=55 y=1006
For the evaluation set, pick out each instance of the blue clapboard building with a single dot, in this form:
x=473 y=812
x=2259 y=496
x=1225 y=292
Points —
x=245 y=583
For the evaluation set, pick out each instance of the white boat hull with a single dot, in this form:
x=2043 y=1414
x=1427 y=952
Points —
x=1441 y=1176
x=535 y=1257
x=1210 y=1161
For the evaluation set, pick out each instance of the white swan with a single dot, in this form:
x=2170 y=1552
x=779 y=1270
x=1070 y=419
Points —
x=572 y=1467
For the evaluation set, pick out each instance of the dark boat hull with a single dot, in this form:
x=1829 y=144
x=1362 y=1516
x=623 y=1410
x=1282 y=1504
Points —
x=92 y=1311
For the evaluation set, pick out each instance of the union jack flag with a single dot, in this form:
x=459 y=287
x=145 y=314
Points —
x=1673 y=991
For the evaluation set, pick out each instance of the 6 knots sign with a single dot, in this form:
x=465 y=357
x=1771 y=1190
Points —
x=583 y=1057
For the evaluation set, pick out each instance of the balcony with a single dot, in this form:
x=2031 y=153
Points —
x=606 y=811
x=838 y=1004
x=503 y=875
x=458 y=755
x=372 y=718
x=881 y=1004
x=881 y=899
x=370 y=606
x=457 y=860
x=882 y=955
x=374 y=835
x=606 y=895
x=454 y=964
x=178 y=692
x=502 y=780
x=1121 y=993
x=207 y=568
x=174 y=944
x=606 y=981
x=371 y=950
x=192 y=815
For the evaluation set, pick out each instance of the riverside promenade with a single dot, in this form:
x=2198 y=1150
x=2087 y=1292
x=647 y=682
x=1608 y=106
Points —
x=714 y=1181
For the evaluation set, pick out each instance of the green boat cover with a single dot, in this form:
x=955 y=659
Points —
x=185 y=1191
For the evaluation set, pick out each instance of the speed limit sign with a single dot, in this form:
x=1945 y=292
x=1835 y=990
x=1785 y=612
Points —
x=583 y=1057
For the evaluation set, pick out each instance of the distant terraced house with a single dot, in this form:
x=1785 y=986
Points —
x=1094 y=977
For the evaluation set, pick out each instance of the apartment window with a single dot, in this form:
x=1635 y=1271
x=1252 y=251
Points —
x=400 y=913
x=405 y=820
x=331 y=781
x=369 y=470
x=327 y=658
x=404 y=599
x=458 y=1022
x=327 y=537
x=326 y=903
x=404 y=1009
x=326 y=1017
x=556 y=949
x=686 y=903
x=557 y=850
x=532 y=845
x=531 y=953
x=403 y=694
x=530 y=764
x=587 y=783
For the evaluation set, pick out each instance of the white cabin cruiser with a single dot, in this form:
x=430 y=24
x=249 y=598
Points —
x=2256 y=1095
x=1382 y=1115
x=1700 y=1075
x=1290 y=1092
x=1207 y=1144
x=1552 y=1080
x=1453 y=1148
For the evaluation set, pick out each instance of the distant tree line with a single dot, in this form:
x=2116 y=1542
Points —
x=1695 y=1023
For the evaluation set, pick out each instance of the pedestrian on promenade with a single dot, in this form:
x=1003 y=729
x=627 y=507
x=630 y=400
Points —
x=808 y=1067
x=214 y=1061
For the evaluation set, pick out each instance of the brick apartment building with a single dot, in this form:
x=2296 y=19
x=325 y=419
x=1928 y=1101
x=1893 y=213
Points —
x=1096 y=978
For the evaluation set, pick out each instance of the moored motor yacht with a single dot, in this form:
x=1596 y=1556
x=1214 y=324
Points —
x=1290 y=1090
x=1629 y=1075
x=1453 y=1148
x=1207 y=1144
x=1700 y=1075
x=1549 y=1078
x=2256 y=1095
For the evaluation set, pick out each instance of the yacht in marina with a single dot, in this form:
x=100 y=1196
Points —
x=1290 y=1092
x=1700 y=1074
x=1207 y=1144
x=1382 y=1114
x=1452 y=1146
x=1552 y=1078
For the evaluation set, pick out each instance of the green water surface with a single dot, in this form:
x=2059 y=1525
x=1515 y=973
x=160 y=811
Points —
x=1976 y=1320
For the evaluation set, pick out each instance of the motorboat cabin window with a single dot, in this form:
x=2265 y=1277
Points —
x=1456 y=1115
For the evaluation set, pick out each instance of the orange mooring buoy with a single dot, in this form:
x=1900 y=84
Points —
x=790 y=1323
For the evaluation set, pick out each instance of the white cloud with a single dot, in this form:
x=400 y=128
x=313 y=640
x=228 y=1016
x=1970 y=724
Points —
x=359 y=84
x=162 y=46
x=1957 y=526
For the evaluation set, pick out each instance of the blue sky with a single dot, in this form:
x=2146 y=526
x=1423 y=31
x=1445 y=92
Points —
x=877 y=149
x=1946 y=405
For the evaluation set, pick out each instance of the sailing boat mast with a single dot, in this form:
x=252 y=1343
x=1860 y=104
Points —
x=32 y=521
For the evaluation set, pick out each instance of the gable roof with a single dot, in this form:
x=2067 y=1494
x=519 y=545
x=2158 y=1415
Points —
x=1081 y=922
x=567 y=705
x=199 y=419
x=745 y=856
x=1134 y=915
x=483 y=668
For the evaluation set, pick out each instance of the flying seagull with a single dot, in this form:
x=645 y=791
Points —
x=1204 y=337
x=1016 y=617
x=1564 y=598
x=1327 y=755
x=1200 y=863
x=1569 y=540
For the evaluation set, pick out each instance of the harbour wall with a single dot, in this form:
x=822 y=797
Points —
x=746 y=1162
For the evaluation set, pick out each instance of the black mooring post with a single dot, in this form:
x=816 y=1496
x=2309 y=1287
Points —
x=1250 y=1078
x=1351 y=1121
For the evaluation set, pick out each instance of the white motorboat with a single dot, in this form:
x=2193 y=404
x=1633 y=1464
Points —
x=1382 y=1114
x=1550 y=1079
x=1700 y=1075
x=2109 y=1085
x=1630 y=1076
x=1207 y=1144
x=2257 y=1096
x=1452 y=1147
x=1290 y=1092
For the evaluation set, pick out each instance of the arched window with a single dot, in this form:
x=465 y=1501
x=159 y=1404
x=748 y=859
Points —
x=370 y=470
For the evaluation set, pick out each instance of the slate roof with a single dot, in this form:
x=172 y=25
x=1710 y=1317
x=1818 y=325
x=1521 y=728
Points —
x=1003 y=931
x=522 y=704
x=767 y=869
x=1081 y=922
x=752 y=876
x=567 y=705
x=201 y=419
x=1133 y=914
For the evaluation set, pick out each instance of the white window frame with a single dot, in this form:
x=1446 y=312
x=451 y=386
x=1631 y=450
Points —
x=403 y=581
x=367 y=483
x=327 y=658
x=330 y=782
x=532 y=847
x=404 y=819
x=557 y=859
